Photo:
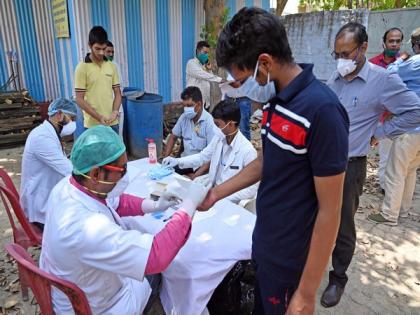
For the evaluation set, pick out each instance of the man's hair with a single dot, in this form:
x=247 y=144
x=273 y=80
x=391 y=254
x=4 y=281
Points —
x=227 y=110
x=391 y=30
x=97 y=35
x=250 y=33
x=200 y=45
x=192 y=92
x=357 y=29
x=109 y=44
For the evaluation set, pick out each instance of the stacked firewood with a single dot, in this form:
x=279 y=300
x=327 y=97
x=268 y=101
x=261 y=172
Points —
x=18 y=116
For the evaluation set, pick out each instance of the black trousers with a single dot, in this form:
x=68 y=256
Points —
x=271 y=296
x=346 y=238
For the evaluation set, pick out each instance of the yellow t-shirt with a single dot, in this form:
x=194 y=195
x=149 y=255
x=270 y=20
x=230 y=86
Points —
x=97 y=82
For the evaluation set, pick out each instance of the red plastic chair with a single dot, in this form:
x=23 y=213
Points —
x=27 y=234
x=41 y=282
x=8 y=182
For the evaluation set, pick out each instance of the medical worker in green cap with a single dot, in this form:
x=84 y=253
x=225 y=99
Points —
x=87 y=236
x=44 y=162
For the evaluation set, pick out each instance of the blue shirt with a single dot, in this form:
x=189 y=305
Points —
x=195 y=136
x=366 y=97
x=304 y=134
x=409 y=72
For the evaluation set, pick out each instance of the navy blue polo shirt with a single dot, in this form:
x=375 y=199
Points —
x=305 y=134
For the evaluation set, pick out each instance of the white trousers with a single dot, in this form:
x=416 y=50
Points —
x=383 y=148
x=400 y=176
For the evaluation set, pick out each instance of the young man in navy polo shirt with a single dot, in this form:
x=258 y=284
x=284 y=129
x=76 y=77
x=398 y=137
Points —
x=301 y=166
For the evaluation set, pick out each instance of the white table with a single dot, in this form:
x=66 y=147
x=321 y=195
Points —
x=219 y=238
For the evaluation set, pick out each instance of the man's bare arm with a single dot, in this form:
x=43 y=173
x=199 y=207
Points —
x=170 y=145
x=204 y=169
x=329 y=191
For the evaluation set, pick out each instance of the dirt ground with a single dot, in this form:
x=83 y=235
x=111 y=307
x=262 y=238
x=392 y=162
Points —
x=384 y=275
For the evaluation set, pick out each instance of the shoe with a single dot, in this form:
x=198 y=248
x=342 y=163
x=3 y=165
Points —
x=332 y=295
x=404 y=215
x=379 y=218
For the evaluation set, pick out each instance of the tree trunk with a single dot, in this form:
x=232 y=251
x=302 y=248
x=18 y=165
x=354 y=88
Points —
x=214 y=10
x=281 y=4
x=397 y=4
x=350 y=4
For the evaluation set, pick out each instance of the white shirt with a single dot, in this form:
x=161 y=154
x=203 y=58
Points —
x=226 y=160
x=197 y=75
x=89 y=244
x=44 y=164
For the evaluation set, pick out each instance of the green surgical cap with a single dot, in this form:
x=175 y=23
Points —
x=63 y=104
x=96 y=146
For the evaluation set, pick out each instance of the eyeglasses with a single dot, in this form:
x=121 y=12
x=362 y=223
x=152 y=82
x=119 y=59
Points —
x=344 y=55
x=113 y=168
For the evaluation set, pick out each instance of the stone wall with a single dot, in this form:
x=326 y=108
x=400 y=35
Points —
x=311 y=35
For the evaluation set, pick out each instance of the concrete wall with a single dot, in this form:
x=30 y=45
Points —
x=311 y=35
x=380 y=21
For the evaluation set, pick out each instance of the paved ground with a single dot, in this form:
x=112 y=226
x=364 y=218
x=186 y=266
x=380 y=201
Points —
x=384 y=275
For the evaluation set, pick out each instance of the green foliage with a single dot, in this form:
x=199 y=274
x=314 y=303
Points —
x=358 y=4
x=209 y=32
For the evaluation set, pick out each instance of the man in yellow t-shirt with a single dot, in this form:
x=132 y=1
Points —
x=97 y=84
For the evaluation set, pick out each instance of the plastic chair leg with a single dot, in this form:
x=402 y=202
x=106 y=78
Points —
x=25 y=291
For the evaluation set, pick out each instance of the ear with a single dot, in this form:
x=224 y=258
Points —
x=94 y=174
x=265 y=63
x=364 y=47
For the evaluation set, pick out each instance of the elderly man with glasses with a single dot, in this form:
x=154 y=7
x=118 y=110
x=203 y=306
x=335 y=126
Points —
x=366 y=91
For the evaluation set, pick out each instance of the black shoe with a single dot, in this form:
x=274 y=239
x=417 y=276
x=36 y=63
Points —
x=331 y=295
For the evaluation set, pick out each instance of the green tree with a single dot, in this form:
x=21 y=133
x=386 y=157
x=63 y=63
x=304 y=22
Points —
x=358 y=4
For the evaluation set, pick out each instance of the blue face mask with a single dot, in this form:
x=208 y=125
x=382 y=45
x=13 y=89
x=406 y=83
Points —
x=189 y=112
x=203 y=58
x=252 y=89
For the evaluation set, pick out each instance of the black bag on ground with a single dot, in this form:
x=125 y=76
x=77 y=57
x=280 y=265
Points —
x=235 y=294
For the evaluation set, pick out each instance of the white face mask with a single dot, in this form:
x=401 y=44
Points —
x=120 y=187
x=68 y=129
x=346 y=66
x=189 y=112
x=252 y=89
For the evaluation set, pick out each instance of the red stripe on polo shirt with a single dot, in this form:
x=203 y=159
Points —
x=264 y=118
x=288 y=130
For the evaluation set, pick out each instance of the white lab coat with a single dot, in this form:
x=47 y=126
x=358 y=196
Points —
x=197 y=75
x=242 y=153
x=89 y=244
x=44 y=164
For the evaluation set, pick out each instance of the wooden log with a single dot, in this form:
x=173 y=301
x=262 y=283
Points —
x=18 y=125
x=21 y=112
x=12 y=140
x=6 y=106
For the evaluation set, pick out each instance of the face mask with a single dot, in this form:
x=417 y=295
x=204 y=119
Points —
x=346 y=66
x=390 y=52
x=203 y=58
x=68 y=129
x=189 y=112
x=218 y=132
x=110 y=58
x=120 y=187
x=253 y=90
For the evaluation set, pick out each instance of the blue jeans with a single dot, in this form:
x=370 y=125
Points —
x=244 y=104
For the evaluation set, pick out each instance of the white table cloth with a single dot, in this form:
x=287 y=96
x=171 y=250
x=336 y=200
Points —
x=219 y=238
